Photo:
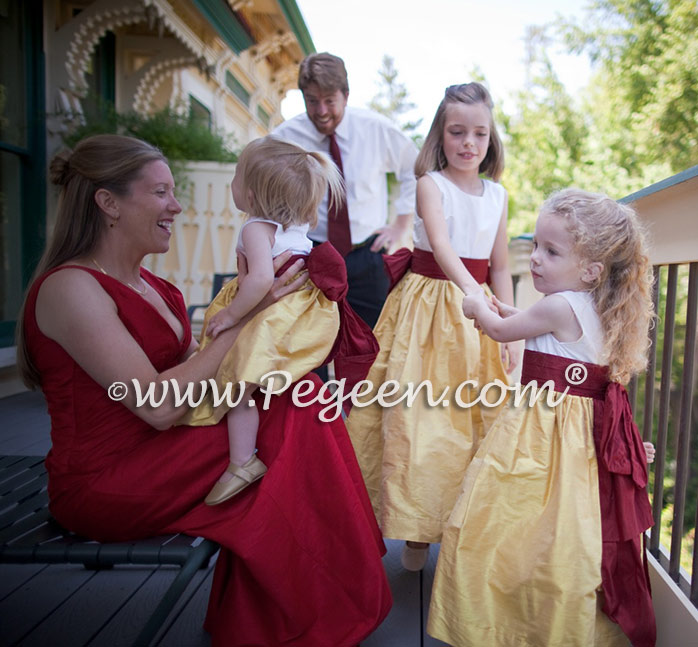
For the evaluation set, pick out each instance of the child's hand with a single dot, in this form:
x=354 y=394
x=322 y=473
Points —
x=472 y=304
x=511 y=355
x=503 y=309
x=220 y=322
x=650 y=451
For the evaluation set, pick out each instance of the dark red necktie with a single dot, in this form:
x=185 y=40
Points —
x=338 y=231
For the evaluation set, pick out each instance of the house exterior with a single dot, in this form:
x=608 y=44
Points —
x=230 y=62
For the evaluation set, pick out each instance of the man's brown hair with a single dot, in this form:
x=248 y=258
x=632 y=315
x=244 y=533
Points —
x=326 y=71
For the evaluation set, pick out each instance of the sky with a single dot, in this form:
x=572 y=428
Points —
x=434 y=44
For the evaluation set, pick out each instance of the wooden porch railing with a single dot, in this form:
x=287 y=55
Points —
x=669 y=422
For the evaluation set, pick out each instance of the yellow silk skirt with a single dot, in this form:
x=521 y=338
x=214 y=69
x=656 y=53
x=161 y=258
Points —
x=520 y=560
x=295 y=334
x=413 y=457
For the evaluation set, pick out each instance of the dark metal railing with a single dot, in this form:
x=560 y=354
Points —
x=674 y=471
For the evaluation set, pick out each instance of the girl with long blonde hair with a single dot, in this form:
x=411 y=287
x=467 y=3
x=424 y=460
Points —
x=413 y=458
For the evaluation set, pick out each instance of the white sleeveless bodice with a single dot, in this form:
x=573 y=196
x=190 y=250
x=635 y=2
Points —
x=294 y=237
x=589 y=347
x=472 y=220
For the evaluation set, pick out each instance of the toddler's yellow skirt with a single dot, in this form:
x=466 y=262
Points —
x=295 y=334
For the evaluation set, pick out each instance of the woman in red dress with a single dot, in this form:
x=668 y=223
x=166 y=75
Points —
x=300 y=560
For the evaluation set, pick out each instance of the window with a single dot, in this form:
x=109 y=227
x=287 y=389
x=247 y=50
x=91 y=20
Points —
x=100 y=78
x=237 y=88
x=263 y=116
x=22 y=155
x=198 y=112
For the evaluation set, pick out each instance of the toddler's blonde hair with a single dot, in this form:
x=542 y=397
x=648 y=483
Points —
x=610 y=233
x=287 y=183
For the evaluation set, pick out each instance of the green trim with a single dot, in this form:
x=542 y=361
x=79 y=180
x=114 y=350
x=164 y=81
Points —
x=221 y=17
x=34 y=167
x=688 y=174
x=11 y=148
x=300 y=29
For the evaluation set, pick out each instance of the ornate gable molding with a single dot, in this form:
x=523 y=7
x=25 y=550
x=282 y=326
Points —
x=272 y=45
x=285 y=79
x=153 y=76
x=82 y=33
x=181 y=30
x=79 y=37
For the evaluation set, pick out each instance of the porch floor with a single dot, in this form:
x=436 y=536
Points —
x=67 y=605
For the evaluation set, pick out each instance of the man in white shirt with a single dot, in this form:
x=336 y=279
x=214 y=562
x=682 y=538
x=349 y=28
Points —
x=370 y=146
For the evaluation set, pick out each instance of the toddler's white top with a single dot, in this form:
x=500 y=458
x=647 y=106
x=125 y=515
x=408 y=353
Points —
x=589 y=347
x=294 y=237
x=472 y=220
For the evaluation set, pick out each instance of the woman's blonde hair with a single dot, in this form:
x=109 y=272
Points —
x=287 y=183
x=610 y=233
x=111 y=162
x=432 y=156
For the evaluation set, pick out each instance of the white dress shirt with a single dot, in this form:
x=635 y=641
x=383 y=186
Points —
x=370 y=146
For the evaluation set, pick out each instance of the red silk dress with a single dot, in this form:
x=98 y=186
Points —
x=300 y=561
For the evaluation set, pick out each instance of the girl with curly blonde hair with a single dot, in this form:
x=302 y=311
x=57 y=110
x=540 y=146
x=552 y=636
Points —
x=543 y=545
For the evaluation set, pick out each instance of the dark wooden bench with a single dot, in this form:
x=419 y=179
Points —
x=219 y=280
x=28 y=534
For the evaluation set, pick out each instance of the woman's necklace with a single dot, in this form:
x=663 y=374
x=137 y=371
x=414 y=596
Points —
x=142 y=292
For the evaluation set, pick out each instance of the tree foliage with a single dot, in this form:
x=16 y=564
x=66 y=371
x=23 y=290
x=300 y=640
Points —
x=637 y=121
x=647 y=54
x=392 y=98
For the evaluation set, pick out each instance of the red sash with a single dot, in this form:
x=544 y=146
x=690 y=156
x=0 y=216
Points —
x=424 y=263
x=355 y=348
x=625 y=508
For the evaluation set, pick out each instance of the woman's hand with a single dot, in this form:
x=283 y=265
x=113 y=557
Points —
x=286 y=283
x=281 y=286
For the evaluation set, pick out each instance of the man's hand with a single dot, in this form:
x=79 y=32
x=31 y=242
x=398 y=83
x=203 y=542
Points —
x=390 y=235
